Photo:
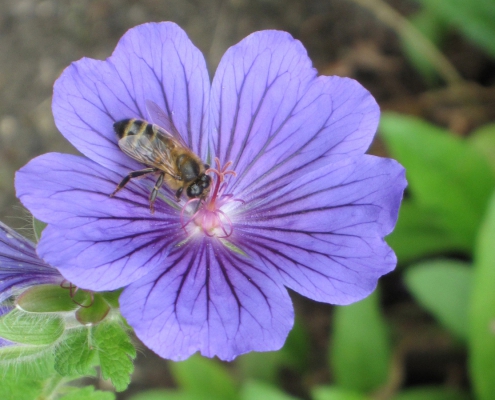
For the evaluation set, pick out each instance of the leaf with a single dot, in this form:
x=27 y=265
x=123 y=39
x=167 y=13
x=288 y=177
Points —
x=169 y=395
x=26 y=362
x=75 y=355
x=431 y=393
x=258 y=390
x=206 y=377
x=483 y=140
x=38 y=227
x=443 y=287
x=88 y=393
x=482 y=311
x=26 y=328
x=474 y=18
x=22 y=389
x=334 y=393
x=115 y=352
x=95 y=312
x=445 y=174
x=360 y=350
x=46 y=298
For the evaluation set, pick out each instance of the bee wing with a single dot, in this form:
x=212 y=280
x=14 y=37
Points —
x=160 y=118
x=154 y=153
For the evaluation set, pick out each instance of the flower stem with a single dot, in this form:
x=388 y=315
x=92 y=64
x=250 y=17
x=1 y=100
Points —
x=407 y=31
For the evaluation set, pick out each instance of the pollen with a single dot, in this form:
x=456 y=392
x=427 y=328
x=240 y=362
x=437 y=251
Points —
x=206 y=216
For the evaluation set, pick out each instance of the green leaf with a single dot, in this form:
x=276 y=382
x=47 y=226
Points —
x=26 y=362
x=115 y=351
x=21 y=389
x=483 y=140
x=334 y=393
x=257 y=391
x=75 y=355
x=360 y=350
x=474 y=18
x=445 y=174
x=112 y=298
x=46 y=298
x=482 y=311
x=88 y=393
x=26 y=328
x=204 y=376
x=443 y=287
x=431 y=393
x=169 y=395
x=420 y=232
x=95 y=312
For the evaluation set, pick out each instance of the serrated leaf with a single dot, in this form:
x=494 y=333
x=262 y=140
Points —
x=258 y=390
x=445 y=174
x=443 y=287
x=95 y=312
x=46 y=298
x=75 y=355
x=88 y=393
x=335 y=393
x=115 y=351
x=204 y=376
x=482 y=311
x=26 y=328
x=431 y=393
x=483 y=140
x=360 y=350
x=474 y=18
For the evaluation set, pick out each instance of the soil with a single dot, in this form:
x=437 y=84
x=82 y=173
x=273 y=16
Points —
x=39 y=38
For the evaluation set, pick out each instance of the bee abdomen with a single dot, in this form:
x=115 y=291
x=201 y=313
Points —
x=128 y=127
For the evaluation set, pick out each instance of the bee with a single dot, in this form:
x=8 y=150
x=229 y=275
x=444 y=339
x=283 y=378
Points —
x=164 y=153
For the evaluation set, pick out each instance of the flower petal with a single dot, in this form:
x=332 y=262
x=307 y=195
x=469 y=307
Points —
x=20 y=267
x=276 y=120
x=324 y=233
x=98 y=242
x=154 y=61
x=208 y=299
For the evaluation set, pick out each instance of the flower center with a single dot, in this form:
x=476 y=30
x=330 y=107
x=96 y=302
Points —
x=207 y=215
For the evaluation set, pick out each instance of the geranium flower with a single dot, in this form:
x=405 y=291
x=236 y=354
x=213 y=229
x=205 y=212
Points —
x=20 y=266
x=303 y=208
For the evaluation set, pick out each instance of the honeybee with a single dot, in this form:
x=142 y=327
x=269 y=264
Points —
x=164 y=153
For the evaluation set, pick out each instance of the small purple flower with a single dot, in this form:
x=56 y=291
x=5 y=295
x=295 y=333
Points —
x=20 y=266
x=294 y=201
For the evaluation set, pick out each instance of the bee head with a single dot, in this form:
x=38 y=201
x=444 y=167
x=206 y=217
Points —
x=199 y=188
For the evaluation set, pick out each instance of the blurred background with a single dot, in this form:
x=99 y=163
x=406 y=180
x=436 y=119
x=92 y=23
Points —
x=429 y=330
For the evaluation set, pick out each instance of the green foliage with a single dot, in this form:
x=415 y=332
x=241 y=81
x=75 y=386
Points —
x=206 y=377
x=447 y=179
x=45 y=299
x=26 y=362
x=360 y=353
x=258 y=390
x=482 y=337
x=26 y=328
x=169 y=395
x=76 y=356
x=38 y=227
x=483 y=140
x=88 y=393
x=115 y=352
x=94 y=314
x=443 y=287
x=336 y=393
x=431 y=393
x=21 y=389
x=474 y=18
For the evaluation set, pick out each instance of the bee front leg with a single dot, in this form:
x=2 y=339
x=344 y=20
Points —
x=154 y=192
x=179 y=193
x=133 y=174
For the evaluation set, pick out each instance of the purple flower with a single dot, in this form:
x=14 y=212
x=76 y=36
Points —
x=305 y=208
x=20 y=266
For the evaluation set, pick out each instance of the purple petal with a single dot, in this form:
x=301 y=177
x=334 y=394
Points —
x=20 y=267
x=98 y=242
x=324 y=233
x=211 y=300
x=154 y=61
x=276 y=120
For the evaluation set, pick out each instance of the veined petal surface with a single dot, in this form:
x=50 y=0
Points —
x=324 y=233
x=277 y=121
x=208 y=299
x=154 y=62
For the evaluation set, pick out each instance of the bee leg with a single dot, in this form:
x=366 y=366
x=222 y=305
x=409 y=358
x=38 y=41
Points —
x=179 y=193
x=154 y=192
x=133 y=174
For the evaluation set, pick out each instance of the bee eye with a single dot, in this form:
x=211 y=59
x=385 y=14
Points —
x=194 y=190
x=205 y=181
